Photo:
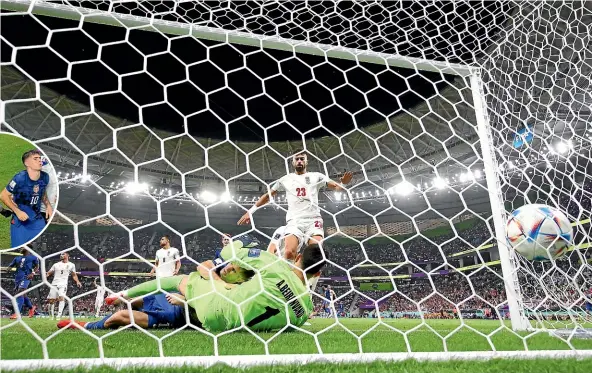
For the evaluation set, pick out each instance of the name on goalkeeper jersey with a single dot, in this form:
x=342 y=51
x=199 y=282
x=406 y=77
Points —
x=289 y=295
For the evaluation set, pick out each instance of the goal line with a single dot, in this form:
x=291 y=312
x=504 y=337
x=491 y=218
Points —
x=263 y=360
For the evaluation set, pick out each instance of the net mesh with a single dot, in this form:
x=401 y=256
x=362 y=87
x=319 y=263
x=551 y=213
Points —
x=159 y=128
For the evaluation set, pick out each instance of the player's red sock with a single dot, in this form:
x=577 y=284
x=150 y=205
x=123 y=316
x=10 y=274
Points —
x=32 y=311
x=70 y=325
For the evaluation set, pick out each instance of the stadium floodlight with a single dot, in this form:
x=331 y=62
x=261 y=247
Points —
x=477 y=174
x=208 y=196
x=337 y=195
x=133 y=187
x=562 y=147
x=404 y=188
x=224 y=197
x=440 y=183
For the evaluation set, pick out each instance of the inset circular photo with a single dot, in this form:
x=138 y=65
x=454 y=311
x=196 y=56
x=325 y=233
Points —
x=29 y=191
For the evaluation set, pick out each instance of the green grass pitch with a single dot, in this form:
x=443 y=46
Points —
x=11 y=151
x=18 y=343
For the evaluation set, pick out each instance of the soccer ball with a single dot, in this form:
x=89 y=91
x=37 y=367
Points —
x=539 y=232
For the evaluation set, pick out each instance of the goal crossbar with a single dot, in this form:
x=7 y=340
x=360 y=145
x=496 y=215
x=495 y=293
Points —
x=235 y=37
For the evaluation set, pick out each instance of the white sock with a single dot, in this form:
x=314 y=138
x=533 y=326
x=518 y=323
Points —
x=52 y=309
x=313 y=281
x=61 y=308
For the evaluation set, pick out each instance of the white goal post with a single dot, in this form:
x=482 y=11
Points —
x=517 y=116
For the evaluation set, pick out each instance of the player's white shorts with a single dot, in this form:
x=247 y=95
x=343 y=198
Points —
x=280 y=243
x=305 y=229
x=57 y=292
x=98 y=303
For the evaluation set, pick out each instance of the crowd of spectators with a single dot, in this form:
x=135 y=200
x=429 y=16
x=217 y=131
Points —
x=432 y=294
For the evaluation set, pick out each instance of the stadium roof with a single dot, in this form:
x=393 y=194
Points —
x=462 y=39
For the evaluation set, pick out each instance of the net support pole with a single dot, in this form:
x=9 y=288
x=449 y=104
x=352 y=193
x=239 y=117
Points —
x=518 y=319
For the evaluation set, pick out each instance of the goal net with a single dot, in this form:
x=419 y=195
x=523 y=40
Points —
x=174 y=117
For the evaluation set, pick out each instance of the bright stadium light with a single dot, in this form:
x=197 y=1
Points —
x=404 y=188
x=562 y=147
x=225 y=197
x=337 y=195
x=208 y=197
x=440 y=183
x=477 y=174
x=133 y=187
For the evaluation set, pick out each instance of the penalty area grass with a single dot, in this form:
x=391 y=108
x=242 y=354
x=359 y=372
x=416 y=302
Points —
x=17 y=343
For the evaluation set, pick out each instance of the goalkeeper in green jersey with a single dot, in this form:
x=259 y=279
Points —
x=275 y=296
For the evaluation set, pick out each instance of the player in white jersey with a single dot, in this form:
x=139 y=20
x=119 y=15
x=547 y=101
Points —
x=52 y=187
x=99 y=299
x=61 y=273
x=168 y=259
x=303 y=220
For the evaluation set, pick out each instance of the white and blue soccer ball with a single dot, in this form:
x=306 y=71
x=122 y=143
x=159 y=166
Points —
x=539 y=232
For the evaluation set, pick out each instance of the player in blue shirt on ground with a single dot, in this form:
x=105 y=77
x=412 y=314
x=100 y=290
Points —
x=24 y=195
x=26 y=264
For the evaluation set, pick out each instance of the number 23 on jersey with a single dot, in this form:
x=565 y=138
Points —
x=300 y=192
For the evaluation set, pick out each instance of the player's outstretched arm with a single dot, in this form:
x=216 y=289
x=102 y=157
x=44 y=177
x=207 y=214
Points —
x=344 y=180
x=168 y=284
x=51 y=271
x=264 y=199
x=6 y=198
x=153 y=270
x=177 y=267
x=13 y=263
x=34 y=270
x=75 y=277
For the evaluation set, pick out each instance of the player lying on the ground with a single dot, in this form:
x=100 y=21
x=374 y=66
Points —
x=215 y=303
x=24 y=195
x=164 y=310
x=26 y=264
